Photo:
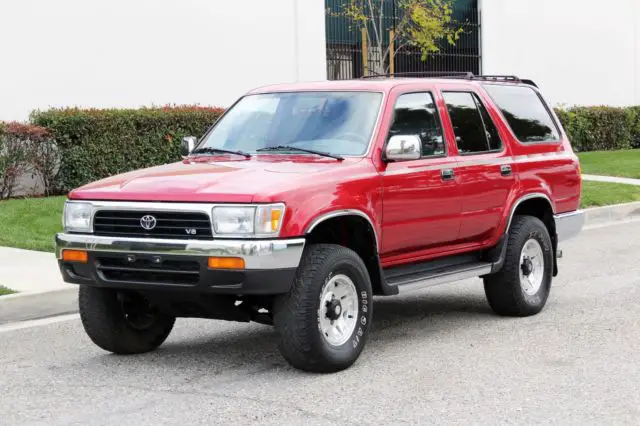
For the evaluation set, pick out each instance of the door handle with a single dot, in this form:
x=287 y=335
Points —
x=505 y=170
x=447 y=174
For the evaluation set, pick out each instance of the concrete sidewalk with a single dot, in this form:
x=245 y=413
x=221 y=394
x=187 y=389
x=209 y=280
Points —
x=36 y=277
x=611 y=179
x=28 y=271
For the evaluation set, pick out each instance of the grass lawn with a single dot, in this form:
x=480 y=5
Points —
x=4 y=291
x=604 y=193
x=31 y=223
x=611 y=163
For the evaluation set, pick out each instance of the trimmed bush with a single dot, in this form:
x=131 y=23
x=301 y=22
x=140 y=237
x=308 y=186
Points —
x=601 y=128
x=97 y=143
x=24 y=149
x=634 y=119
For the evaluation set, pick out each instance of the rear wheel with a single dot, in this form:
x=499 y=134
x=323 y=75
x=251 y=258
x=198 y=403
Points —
x=522 y=286
x=122 y=323
x=323 y=322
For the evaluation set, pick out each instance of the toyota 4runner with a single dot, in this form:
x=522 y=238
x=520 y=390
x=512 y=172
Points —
x=303 y=201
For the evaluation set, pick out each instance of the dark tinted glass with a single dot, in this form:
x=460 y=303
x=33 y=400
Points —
x=495 y=144
x=525 y=113
x=416 y=114
x=466 y=121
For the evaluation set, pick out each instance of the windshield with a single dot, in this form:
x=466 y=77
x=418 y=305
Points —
x=339 y=123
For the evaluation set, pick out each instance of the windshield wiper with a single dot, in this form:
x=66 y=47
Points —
x=295 y=148
x=210 y=150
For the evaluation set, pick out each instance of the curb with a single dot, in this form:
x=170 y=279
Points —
x=30 y=306
x=599 y=216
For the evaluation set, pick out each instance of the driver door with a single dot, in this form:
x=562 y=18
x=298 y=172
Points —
x=421 y=198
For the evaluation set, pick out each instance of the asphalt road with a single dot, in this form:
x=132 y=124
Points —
x=437 y=356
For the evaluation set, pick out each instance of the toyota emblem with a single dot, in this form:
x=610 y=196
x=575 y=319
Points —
x=148 y=222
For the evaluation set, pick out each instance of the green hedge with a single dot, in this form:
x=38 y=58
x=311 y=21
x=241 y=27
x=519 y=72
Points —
x=98 y=143
x=601 y=128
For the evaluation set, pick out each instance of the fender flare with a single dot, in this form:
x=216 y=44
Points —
x=343 y=212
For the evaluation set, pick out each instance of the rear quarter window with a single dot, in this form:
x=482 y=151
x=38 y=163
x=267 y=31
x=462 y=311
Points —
x=523 y=109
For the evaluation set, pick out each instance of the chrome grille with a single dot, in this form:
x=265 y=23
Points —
x=173 y=225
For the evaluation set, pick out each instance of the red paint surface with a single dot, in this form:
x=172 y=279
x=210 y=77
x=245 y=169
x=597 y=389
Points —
x=416 y=215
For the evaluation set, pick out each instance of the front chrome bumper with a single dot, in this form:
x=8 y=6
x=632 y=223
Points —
x=568 y=225
x=257 y=254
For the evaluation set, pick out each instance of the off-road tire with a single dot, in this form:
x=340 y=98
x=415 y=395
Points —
x=300 y=340
x=106 y=325
x=503 y=289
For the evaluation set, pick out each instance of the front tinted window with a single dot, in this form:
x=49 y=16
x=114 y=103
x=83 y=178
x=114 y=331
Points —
x=466 y=121
x=526 y=114
x=416 y=114
x=339 y=123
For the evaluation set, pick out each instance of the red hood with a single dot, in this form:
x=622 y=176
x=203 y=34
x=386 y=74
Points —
x=218 y=180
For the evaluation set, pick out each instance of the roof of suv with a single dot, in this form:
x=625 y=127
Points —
x=371 y=84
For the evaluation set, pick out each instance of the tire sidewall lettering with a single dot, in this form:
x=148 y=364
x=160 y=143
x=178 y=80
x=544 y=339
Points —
x=363 y=312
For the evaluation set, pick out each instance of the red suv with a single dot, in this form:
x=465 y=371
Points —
x=303 y=201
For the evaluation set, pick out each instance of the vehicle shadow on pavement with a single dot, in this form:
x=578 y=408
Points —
x=423 y=314
x=252 y=347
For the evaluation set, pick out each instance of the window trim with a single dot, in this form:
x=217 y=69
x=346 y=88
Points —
x=438 y=115
x=472 y=92
x=544 y=104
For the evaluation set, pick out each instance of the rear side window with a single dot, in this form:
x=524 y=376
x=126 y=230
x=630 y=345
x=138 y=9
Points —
x=416 y=114
x=474 y=130
x=495 y=144
x=526 y=114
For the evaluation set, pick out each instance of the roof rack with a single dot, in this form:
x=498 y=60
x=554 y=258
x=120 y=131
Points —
x=454 y=75
x=423 y=74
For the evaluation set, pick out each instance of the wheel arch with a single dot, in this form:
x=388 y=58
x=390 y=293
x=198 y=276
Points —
x=540 y=205
x=355 y=230
x=524 y=203
x=339 y=213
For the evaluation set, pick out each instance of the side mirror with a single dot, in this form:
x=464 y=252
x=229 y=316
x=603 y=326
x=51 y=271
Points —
x=403 y=148
x=188 y=143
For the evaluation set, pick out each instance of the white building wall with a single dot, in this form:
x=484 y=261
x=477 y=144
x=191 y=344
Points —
x=584 y=52
x=129 y=53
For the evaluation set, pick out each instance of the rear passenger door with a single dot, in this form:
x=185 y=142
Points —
x=484 y=166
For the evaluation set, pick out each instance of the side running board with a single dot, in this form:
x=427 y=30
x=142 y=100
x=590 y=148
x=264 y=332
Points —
x=407 y=279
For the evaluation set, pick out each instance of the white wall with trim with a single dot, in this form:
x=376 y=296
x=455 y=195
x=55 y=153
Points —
x=122 y=53
x=580 y=52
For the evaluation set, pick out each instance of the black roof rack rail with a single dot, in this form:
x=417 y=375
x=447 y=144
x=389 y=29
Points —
x=505 y=78
x=423 y=74
x=454 y=75
x=511 y=78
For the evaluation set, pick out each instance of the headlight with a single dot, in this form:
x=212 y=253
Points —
x=77 y=216
x=260 y=220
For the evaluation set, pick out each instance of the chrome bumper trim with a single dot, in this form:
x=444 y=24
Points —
x=568 y=225
x=257 y=254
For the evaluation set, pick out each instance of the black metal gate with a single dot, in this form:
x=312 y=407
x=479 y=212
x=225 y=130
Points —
x=345 y=45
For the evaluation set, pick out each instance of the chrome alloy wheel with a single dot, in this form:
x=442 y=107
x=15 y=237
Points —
x=338 y=310
x=531 y=267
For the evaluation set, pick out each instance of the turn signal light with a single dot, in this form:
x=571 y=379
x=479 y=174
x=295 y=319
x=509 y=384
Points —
x=225 y=263
x=79 y=256
x=275 y=219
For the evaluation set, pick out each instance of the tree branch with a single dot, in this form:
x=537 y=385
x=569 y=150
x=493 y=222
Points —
x=373 y=22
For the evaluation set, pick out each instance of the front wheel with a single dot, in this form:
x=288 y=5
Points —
x=122 y=323
x=323 y=322
x=522 y=286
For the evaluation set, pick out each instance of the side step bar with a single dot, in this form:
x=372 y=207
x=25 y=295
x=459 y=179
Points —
x=429 y=278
